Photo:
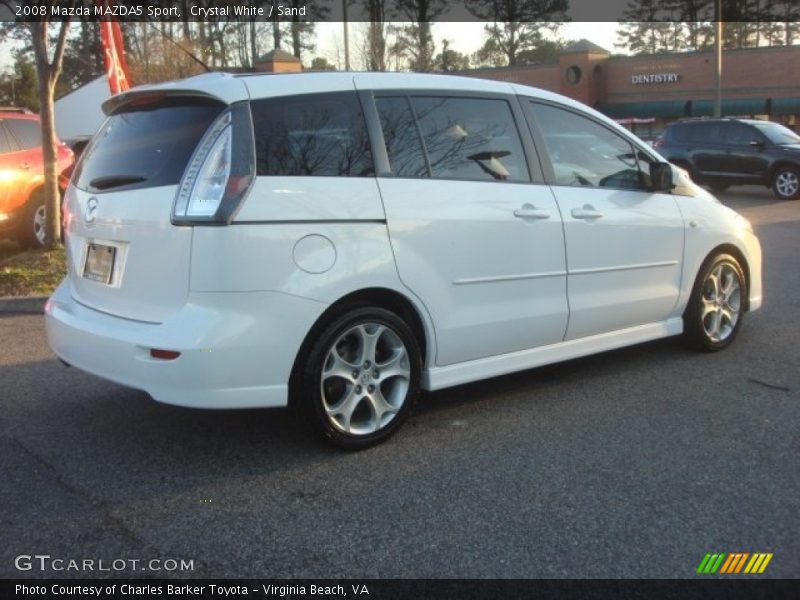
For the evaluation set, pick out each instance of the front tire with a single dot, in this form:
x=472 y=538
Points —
x=786 y=183
x=361 y=377
x=714 y=314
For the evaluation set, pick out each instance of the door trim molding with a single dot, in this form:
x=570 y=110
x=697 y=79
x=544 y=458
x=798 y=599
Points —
x=499 y=278
x=652 y=265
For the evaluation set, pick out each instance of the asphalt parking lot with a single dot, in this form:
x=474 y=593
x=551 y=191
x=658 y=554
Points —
x=634 y=463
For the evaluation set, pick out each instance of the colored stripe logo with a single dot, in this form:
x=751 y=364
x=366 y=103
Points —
x=733 y=563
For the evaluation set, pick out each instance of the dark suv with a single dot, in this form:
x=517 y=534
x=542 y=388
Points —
x=726 y=152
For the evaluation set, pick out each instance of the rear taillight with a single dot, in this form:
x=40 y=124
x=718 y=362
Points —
x=220 y=171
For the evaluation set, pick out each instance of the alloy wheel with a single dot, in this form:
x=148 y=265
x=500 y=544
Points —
x=39 y=224
x=721 y=302
x=365 y=379
x=787 y=183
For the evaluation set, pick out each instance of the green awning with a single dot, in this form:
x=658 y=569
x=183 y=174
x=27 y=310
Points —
x=744 y=106
x=786 y=106
x=642 y=110
x=731 y=107
x=701 y=108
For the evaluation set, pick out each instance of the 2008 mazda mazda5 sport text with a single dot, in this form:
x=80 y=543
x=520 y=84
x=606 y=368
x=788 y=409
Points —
x=339 y=241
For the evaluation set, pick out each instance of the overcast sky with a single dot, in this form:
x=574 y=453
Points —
x=464 y=37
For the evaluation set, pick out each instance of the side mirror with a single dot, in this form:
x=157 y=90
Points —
x=661 y=176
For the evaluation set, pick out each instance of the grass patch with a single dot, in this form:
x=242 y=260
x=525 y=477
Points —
x=7 y=248
x=32 y=273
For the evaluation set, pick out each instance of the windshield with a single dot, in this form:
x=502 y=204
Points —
x=145 y=147
x=778 y=134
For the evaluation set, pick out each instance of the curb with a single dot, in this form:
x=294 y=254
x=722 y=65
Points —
x=22 y=304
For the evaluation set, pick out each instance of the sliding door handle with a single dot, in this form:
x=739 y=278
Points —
x=587 y=213
x=531 y=212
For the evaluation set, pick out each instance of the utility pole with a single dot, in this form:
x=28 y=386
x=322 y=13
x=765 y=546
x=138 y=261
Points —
x=718 y=58
x=346 y=38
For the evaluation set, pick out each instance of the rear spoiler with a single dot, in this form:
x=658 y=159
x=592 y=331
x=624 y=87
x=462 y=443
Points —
x=142 y=97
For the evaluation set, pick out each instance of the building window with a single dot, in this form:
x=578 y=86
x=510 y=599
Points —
x=574 y=74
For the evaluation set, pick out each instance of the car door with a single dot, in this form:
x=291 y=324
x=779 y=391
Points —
x=475 y=237
x=6 y=172
x=624 y=243
x=745 y=158
x=706 y=150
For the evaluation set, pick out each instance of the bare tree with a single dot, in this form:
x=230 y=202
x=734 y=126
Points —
x=516 y=25
x=374 y=44
x=415 y=41
x=48 y=69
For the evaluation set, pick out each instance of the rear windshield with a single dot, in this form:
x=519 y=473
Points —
x=146 y=146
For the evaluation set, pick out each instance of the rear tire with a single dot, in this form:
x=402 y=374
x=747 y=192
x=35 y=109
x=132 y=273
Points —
x=713 y=317
x=360 y=378
x=32 y=228
x=786 y=183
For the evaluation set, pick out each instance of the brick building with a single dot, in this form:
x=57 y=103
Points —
x=649 y=91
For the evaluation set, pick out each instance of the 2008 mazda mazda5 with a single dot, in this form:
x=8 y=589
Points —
x=338 y=241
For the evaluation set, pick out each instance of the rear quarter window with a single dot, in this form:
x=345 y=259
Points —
x=678 y=134
x=27 y=132
x=706 y=133
x=5 y=145
x=314 y=134
x=148 y=146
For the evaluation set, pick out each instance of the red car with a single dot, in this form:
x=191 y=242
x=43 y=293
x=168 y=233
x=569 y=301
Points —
x=22 y=210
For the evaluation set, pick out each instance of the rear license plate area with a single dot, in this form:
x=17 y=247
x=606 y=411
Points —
x=99 y=264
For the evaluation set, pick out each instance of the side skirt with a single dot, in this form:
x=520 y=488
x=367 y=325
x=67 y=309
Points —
x=436 y=378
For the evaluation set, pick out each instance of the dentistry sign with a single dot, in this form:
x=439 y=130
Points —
x=655 y=78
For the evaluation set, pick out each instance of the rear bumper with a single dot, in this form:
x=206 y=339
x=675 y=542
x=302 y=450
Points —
x=237 y=349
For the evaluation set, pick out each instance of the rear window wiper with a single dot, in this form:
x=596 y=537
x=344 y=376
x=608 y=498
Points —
x=112 y=181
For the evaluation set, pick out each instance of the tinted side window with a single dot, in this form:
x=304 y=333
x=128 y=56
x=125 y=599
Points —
x=706 y=133
x=470 y=138
x=315 y=134
x=28 y=133
x=741 y=134
x=5 y=146
x=406 y=154
x=585 y=153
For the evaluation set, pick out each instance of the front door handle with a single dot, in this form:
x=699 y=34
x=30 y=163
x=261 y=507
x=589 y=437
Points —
x=587 y=212
x=528 y=211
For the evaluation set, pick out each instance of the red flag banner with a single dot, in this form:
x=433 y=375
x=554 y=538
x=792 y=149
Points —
x=114 y=50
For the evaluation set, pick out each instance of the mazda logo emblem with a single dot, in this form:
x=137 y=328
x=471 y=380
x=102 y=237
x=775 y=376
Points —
x=91 y=210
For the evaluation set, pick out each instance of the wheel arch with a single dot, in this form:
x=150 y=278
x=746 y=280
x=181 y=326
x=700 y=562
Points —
x=779 y=165
x=380 y=297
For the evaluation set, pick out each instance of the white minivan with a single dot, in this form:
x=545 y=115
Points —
x=337 y=241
